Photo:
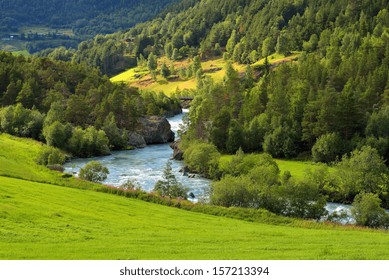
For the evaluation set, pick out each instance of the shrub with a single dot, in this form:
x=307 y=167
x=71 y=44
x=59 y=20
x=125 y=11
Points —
x=232 y=191
x=50 y=156
x=94 y=171
x=363 y=171
x=367 y=211
x=202 y=158
x=301 y=199
x=169 y=186
x=327 y=148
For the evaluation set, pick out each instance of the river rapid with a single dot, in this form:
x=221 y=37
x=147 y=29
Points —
x=145 y=166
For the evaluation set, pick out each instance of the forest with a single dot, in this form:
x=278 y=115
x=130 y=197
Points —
x=38 y=25
x=71 y=106
x=85 y=17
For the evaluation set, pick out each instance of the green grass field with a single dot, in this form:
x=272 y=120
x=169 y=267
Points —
x=40 y=221
x=66 y=219
x=45 y=30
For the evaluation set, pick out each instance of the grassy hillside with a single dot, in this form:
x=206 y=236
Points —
x=47 y=221
x=215 y=68
x=42 y=221
x=140 y=76
x=18 y=160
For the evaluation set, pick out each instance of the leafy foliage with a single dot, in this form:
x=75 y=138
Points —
x=367 y=211
x=94 y=171
x=169 y=186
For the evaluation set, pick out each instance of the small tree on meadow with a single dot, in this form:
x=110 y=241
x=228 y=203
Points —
x=165 y=72
x=152 y=62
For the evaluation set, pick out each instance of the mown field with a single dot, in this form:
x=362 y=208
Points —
x=48 y=221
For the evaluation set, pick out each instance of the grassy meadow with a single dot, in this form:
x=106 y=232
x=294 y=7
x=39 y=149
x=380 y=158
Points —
x=140 y=76
x=45 y=216
x=215 y=68
x=40 y=221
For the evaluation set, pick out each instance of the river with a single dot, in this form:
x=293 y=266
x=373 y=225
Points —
x=145 y=166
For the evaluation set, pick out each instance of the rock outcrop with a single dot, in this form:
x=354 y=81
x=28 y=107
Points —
x=155 y=130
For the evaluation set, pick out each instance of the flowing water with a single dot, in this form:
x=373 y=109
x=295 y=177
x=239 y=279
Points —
x=145 y=166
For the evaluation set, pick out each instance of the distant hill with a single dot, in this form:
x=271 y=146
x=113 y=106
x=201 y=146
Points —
x=83 y=16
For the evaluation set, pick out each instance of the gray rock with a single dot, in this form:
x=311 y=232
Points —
x=136 y=140
x=155 y=130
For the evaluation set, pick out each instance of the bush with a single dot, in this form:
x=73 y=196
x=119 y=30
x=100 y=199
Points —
x=327 y=148
x=94 y=171
x=202 y=158
x=243 y=164
x=363 y=171
x=301 y=199
x=232 y=191
x=367 y=211
x=50 y=156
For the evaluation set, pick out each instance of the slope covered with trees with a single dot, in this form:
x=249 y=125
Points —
x=37 y=25
x=71 y=106
x=85 y=17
